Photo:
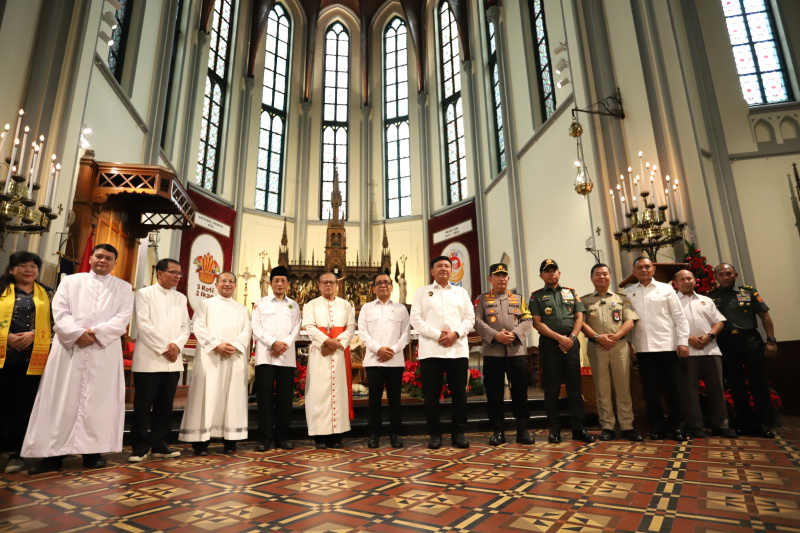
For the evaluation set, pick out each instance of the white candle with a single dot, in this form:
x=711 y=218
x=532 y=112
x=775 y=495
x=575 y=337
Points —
x=36 y=178
x=641 y=167
x=671 y=202
x=50 y=176
x=614 y=209
x=3 y=137
x=16 y=137
x=21 y=165
x=678 y=204
x=622 y=205
x=630 y=179
x=636 y=186
x=52 y=195
x=8 y=178
x=34 y=157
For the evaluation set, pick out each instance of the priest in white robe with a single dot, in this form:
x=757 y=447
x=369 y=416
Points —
x=330 y=322
x=217 y=402
x=80 y=405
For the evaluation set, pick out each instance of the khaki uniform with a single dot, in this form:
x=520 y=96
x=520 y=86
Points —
x=495 y=313
x=605 y=314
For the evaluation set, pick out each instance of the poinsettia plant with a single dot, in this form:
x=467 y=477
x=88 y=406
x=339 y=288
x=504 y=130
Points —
x=412 y=382
x=703 y=272
x=300 y=382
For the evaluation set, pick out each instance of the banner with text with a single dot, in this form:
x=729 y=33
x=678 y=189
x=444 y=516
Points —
x=454 y=234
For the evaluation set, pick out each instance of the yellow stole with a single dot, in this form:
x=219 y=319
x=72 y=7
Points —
x=41 y=342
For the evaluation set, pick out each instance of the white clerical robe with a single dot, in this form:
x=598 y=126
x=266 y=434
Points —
x=80 y=405
x=327 y=394
x=217 y=401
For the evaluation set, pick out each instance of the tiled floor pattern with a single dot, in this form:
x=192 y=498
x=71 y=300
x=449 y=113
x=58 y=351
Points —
x=703 y=485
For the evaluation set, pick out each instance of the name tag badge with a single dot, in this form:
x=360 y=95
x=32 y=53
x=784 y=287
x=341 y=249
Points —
x=616 y=315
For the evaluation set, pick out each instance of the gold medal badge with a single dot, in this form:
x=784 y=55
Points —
x=548 y=310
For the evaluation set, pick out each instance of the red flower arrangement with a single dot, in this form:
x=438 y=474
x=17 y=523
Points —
x=412 y=382
x=703 y=272
x=300 y=382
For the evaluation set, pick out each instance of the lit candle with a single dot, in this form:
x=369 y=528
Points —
x=21 y=165
x=34 y=157
x=641 y=168
x=50 y=176
x=622 y=205
x=51 y=196
x=39 y=155
x=672 y=213
x=636 y=186
x=654 y=189
x=678 y=198
x=614 y=209
x=16 y=137
x=630 y=178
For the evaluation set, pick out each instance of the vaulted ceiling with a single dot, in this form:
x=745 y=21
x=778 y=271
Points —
x=365 y=10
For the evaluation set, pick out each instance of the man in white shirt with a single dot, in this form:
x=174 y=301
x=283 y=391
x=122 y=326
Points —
x=162 y=325
x=217 y=401
x=80 y=406
x=330 y=322
x=276 y=325
x=443 y=316
x=660 y=337
x=383 y=327
x=704 y=361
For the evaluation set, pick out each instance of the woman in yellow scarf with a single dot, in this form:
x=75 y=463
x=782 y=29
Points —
x=25 y=333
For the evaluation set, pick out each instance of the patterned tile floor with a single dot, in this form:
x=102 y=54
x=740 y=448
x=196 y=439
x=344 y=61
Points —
x=703 y=485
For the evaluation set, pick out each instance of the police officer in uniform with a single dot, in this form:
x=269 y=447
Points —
x=557 y=316
x=608 y=318
x=743 y=350
x=503 y=321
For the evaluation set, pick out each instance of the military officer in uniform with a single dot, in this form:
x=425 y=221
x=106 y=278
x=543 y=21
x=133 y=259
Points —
x=608 y=318
x=743 y=350
x=557 y=316
x=503 y=321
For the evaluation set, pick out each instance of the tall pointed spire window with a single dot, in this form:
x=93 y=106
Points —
x=452 y=106
x=215 y=94
x=395 y=122
x=544 y=70
x=272 y=134
x=497 y=105
x=335 y=116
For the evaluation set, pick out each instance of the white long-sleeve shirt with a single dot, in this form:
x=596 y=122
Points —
x=276 y=320
x=383 y=324
x=662 y=326
x=436 y=309
x=702 y=314
x=161 y=318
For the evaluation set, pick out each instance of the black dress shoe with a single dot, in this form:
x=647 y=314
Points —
x=396 y=441
x=285 y=445
x=582 y=435
x=322 y=446
x=725 y=433
x=656 y=435
x=373 y=441
x=607 y=434
x=93 y=460
x=459 y=441
x=698 y=433
x=631 y=435
x=678 y=435
x=337 y=444
x=47 y=464
x=497 y=439
x=435 y=442
x=262 y=446
x=554 y=438
x=765 y=433
x=230 y=448
x=201 y=452
x=523 y=437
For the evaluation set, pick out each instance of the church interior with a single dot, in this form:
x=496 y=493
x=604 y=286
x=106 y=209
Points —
x=369 y=136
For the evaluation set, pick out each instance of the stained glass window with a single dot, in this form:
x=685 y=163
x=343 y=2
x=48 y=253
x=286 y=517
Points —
x=119 y=36
x=544 y=68
x=453 y=112
x=173 y=59
x=272 y=133
x=494 y=72
x=214 y=95
x=335 y=114
x=395 y=122
x=756 y=52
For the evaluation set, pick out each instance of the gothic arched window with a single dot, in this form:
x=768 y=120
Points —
x=544 y=70
x=497 y=105
x=395 y=121
x=452 y=106
x=335 y=114
x=272 y=135
x=214 y=95
x=756 y=51
x=119 y=38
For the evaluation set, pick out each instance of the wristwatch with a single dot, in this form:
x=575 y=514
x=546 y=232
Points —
x=596 y=335
x=712 y=336
x=573 y=337
x=772 y=339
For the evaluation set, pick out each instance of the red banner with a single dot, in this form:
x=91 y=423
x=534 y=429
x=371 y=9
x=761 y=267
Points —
x=455 y=234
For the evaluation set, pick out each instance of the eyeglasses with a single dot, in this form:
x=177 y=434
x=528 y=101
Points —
x=383 y=283
x=174 y=273
x=328 y=282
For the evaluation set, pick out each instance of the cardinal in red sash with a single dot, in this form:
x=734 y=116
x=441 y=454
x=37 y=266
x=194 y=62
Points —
x=330 y=322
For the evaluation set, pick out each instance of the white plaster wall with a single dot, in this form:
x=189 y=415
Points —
x=16 y=49
x=405 y=238
x=257 y=234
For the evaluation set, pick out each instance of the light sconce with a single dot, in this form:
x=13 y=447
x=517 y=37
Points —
x=559 y=48
x=561 y=65
x=106 y=39
x=110 y=19
x=116 y=5
x=562 y=83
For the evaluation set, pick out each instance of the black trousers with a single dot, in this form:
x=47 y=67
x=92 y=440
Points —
x=274 y=391
x=743 y=362
x=557 y=368
x=495 y=370
x=709 y=369
x=432 y=371
x=17 y=395
x=156 y=391
x=392 y=379
x=659 y=372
